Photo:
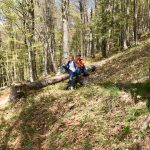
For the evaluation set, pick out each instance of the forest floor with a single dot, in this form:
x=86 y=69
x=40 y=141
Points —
x=4 y=96
x=4 y=99
x=105 y=114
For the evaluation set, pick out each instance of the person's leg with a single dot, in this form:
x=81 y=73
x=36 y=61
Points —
x=78 y=76
x=77 y=73
x=85 y=72
x=71 y=78
x=70 y=75
x=70 y=83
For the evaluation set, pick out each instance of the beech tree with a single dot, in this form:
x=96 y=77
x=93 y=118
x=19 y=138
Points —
x=135 y=22
x=65 y=15
x=30 y=38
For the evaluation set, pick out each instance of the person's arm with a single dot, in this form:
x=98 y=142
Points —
x=66 y=65
x=75 y=65
x=62 y=67
x=81 y=63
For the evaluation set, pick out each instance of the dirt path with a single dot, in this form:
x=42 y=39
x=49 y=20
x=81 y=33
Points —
x=4 y=99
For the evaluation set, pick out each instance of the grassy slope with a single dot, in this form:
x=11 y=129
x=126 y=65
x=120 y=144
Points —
x=103 y=115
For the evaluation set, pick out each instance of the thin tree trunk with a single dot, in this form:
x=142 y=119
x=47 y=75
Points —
x=135 y=20
x=123 y=25
x=82 y=6
x=104 y=29
x=92 y=48
x=65 y=13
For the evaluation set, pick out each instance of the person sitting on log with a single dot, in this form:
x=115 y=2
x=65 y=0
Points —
x=71 y=68
x=81 y=65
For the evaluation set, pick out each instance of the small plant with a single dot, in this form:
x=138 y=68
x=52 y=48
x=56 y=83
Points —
x=106 y=107
x=125 y=131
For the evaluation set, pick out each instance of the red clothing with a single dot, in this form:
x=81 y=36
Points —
x=79 y=63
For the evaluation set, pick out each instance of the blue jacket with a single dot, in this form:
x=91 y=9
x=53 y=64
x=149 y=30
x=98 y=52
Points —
x=67 y=65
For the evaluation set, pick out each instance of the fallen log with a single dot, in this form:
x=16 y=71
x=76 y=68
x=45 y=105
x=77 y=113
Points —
x=19 y=90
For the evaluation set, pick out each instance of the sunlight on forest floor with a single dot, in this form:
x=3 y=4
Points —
x=4 y=96
x=102 y=115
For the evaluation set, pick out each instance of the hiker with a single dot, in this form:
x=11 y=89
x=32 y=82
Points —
x=81 y=66
x=71 y=68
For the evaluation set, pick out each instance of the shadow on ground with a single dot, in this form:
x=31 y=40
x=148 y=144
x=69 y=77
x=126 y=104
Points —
x=33 y=122
x=138 y=91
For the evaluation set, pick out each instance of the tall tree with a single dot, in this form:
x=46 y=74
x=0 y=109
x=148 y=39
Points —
x=30 y=40
x=84 y=23
x=104 y=27
x=123 y=24
x=65 y=17
x=47 y=35
x=135 y=20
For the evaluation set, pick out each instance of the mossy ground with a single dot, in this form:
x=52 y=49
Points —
x=102 y=115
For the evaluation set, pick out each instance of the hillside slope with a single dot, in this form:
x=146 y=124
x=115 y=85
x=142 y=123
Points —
x=103 y=115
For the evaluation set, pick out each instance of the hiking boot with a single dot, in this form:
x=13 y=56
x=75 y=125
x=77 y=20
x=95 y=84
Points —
x=80 y=81
x=86 y=74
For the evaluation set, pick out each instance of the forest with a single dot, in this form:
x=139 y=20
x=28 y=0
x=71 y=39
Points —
x=36 y=36
x=106 y=108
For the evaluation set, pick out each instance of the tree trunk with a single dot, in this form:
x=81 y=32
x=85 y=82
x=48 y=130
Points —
x=123 y=30
x=82 y=6
x=32 y=63
x=104 y=29
x=65 y=13
x=92 y=47
x=30 y=26
x=135 y=20
x=49 y=36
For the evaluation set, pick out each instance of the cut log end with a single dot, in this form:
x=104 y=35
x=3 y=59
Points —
x=18 y=90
